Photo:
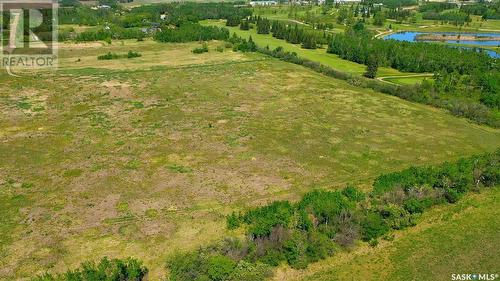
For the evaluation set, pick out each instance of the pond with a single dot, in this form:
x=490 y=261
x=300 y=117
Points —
x=412 y=37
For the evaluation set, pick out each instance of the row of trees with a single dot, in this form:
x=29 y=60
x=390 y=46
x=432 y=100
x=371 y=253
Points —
x=323 y=222
x=451 y=17
x=192 y=32
x=295 y=35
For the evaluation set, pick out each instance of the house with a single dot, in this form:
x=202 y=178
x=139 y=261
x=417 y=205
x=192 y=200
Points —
x=263 y=3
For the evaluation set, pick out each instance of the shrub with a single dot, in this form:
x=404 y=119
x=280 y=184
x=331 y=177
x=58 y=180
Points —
x=200 y=50
x=397 y=217
x=353 y=194
x=414 y=206
x=233 y=221
x=452 y=195
x=251 y=272
x=112 y=270
x=108 y=56
x=187 y=267
x=132 y=54
x=373 y=226
x=262 y=220
x=325 y=205
x=220 y=267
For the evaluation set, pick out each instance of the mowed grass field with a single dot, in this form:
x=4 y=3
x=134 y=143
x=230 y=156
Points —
x=144 y=157
x=452 y=239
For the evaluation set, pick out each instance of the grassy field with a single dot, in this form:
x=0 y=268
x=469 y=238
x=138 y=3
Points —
x=318 y=55
x=456 y=239
x=143 y=157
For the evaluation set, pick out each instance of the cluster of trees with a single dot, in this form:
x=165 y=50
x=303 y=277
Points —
x=83 y=15
x=458 y=72
x=295 y=35
x=178 y=13
x=484 y=9
x=324 y=222
x=436 y=7
x=451 y=17
x=110 y=270
x=107 y=33
x=263 y=25
x=400 y=15
x=192 y=32
x=127 y=23
x=241 y=44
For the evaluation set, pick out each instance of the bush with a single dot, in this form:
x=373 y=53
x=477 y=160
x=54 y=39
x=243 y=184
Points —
x=373 y=226
x=112 y=270
x=108 y=56
x=187 y=267
x=397 y=217
x=233 y=221
x=132 y=54
x=251 y=272
x=200 y=50
x=325 y=205
x=414 y=206
x=113 y=56
x=353 y=194
x=220 y=267
x=264 y=219
x=452 y=195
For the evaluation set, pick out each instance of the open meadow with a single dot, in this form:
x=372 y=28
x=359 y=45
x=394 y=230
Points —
x=145 y=157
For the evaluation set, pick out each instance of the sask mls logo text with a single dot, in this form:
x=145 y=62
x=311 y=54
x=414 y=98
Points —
x=28 y=34
x=474 y=276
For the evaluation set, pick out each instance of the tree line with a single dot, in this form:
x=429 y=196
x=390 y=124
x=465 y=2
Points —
x=188 y=32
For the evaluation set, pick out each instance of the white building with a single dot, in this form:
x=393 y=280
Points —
x=263 y=3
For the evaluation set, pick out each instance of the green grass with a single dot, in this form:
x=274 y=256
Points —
x=91 y=174
x=453 y=239
x=407 y=80
x=318 y=55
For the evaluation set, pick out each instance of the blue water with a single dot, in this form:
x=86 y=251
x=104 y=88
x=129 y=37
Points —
x=411 y=37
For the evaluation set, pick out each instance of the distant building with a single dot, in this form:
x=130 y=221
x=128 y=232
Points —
x=263 y=3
